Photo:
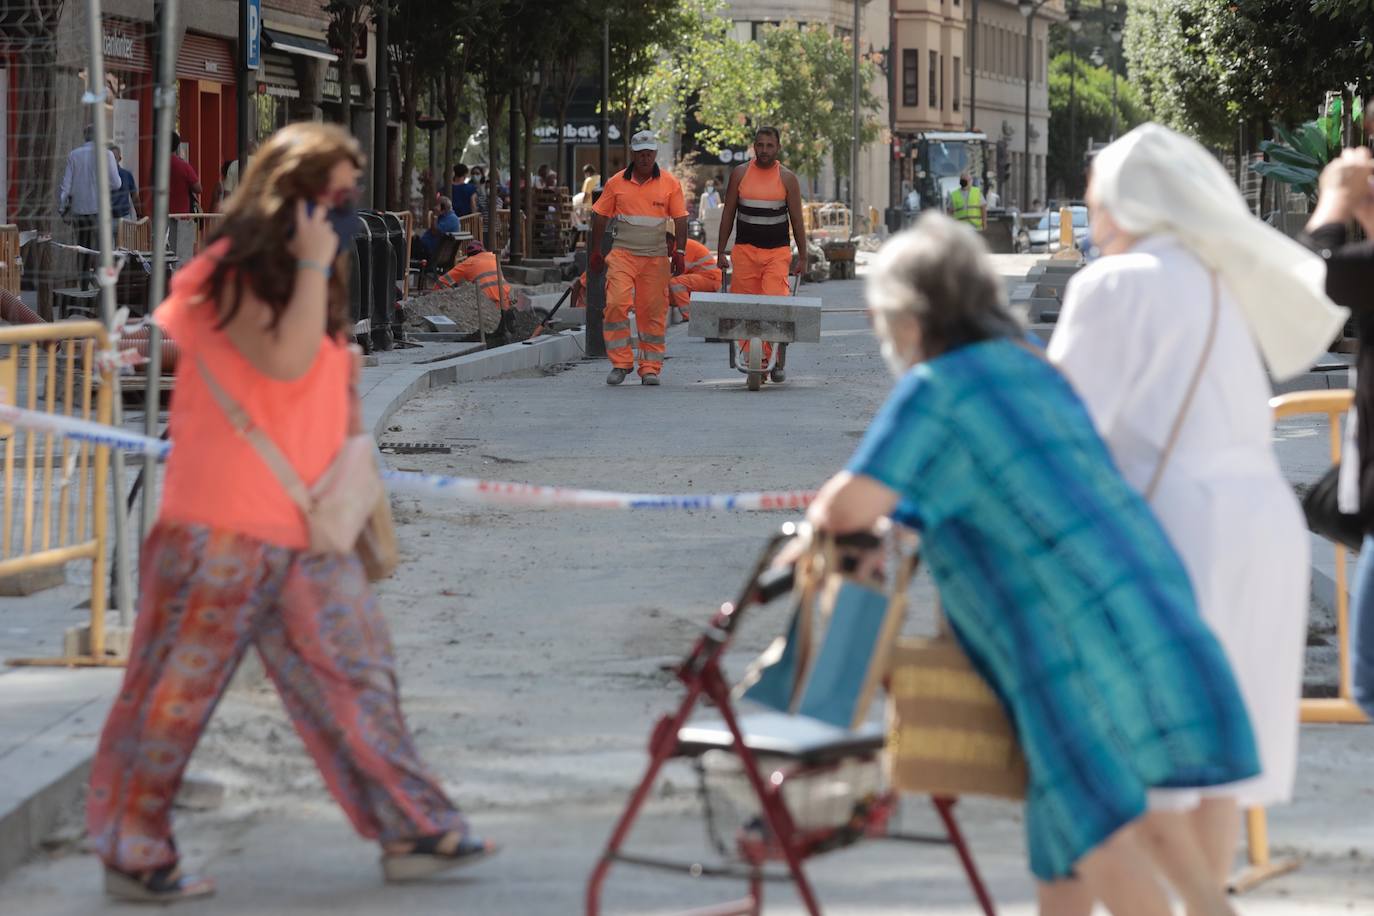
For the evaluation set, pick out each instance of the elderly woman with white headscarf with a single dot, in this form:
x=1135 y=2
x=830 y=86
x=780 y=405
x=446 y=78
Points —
x=1166 y=339
x=1052 y=571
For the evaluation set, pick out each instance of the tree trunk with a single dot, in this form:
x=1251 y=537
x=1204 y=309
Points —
x=410 y=90
x=348 y=28
x=530 y=100
x=36 y=142
x=495 y=102
x=567 y=86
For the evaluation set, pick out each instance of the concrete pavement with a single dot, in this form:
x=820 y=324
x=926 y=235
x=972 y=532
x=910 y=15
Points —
x=531 y=645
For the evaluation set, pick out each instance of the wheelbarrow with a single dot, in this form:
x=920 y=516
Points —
x=732 y=317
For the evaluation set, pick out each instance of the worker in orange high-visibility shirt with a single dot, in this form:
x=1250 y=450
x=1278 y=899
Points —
x=761 y=199
x=635 y=203
x=481 y=267
x=700 y=274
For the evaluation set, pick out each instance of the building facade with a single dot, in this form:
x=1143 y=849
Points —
x=1000 y=88
x=297 y=80
x=960 y=66
x=751 y=16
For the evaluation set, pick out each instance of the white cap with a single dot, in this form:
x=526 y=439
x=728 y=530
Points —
x=645 y=139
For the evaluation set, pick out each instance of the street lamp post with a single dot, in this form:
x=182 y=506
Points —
x=1114 y=31
x=854 y=144
x=1028 y=9
x=1075 y=26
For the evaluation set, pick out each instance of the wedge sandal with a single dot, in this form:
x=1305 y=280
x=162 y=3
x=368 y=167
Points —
x=161 y=885
x=427 y=856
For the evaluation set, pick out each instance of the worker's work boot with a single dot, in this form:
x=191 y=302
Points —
x=777 y=374
x=617 y=376
x=650 y=379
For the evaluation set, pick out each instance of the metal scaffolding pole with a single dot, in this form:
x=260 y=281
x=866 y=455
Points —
x=95 y=101
x=164 y=101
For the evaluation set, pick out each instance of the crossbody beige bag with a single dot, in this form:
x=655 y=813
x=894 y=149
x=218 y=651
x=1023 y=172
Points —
x=347 y=509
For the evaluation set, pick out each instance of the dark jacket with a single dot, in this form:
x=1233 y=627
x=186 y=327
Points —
x=1350 y=282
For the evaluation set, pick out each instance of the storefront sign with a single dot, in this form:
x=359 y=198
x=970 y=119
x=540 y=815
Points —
x=575 y=133
x=330 y=91
x=118 y=45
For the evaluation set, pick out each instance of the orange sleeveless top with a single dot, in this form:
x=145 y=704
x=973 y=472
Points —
x=761 y=218
x=213 y=476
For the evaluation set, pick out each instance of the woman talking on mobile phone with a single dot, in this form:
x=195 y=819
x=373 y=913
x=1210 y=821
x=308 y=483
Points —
x=261 y=318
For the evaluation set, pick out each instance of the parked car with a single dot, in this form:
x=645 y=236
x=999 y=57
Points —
x=1044 y=232
x=1025 y=225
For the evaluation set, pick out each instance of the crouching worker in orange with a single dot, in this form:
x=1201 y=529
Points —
x=761 y=199
x=481 y=267
x=635 y=204
x=700 y=274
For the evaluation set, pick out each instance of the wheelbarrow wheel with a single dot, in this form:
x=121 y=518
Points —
x=755 y=364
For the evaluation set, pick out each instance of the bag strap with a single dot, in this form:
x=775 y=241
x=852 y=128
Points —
x=1193 y=384
x=1188 y=395
x=267 y=449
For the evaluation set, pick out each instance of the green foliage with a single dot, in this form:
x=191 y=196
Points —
x=1168 y=49
x=1204 y=65
x=713 y=74
x=813 y=105
x=1092 y=94
x=1297 y=157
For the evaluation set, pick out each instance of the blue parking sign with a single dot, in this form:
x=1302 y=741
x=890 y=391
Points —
x=252 y=50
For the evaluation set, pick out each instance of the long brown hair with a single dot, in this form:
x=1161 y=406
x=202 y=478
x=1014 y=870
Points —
x=293 y=164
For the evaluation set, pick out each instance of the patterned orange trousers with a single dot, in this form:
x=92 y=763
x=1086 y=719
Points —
x=206 y=596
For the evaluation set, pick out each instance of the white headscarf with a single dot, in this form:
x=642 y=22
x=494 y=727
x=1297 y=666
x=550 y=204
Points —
x=1154 y=181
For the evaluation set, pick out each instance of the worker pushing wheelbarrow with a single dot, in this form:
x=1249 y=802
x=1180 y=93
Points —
x=747 y=322
x=762 y=201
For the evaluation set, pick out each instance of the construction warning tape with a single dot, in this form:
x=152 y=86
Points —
x=465 y=489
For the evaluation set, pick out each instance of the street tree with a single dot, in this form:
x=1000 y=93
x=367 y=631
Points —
x=641 y=32
x=813 y=100
x=722 y=81
x=1092 y=101
x=422 y=37
x=347 y=28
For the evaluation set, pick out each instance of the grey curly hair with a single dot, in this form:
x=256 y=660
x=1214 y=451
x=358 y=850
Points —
x=939 y=274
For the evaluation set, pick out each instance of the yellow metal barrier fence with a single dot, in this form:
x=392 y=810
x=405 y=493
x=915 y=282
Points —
x=1340 y=709
x=56 y=500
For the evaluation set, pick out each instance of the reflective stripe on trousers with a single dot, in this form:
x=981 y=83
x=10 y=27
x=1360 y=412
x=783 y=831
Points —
x=641 y=283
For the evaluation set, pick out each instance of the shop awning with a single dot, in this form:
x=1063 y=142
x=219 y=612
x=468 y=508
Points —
x=295 y=44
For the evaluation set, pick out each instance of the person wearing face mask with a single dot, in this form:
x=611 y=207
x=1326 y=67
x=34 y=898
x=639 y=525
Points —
x=261 y=318
x=1166 y=338
x=966 y=204
x=1052 y=571
x=710 y=197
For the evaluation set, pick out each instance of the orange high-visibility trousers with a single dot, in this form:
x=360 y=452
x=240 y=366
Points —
x=641 y=283
x=681 y=287
x=760 y=272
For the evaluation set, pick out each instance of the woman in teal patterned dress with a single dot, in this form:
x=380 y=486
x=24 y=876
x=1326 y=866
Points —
x=1052 y=571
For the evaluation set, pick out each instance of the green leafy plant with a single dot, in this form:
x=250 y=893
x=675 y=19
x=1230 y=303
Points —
x=1297 y=157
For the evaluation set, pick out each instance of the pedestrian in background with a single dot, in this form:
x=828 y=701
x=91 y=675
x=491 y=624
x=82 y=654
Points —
x=1165 y=338
x=1346 y=195
x=464 y=191
x=262 y=318
x=442 y=221
x=78 y=197
x=1052 y=571
x=636 y=202
x=124 y=199
x=183 y=184
x=590 y=180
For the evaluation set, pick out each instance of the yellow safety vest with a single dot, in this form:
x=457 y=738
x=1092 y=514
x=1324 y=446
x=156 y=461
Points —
x=967 y=206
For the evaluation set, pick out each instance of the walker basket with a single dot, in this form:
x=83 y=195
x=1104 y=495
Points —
x=780 y=785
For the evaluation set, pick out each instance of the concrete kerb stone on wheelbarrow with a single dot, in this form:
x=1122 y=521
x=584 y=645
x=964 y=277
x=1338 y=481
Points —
x=53 y=715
